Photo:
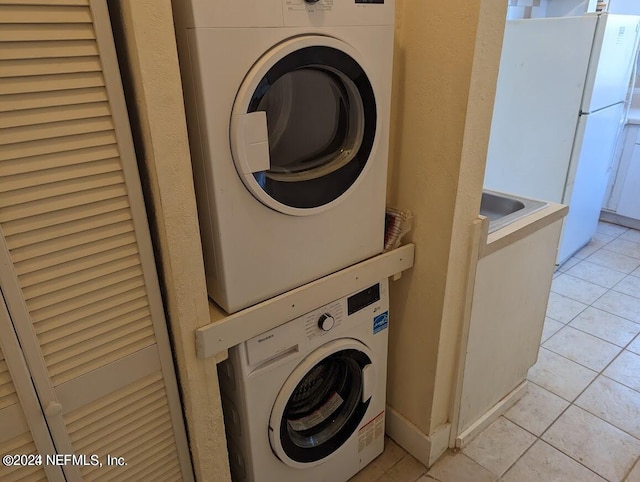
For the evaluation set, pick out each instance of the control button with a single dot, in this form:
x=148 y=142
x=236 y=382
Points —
x=311 y=1
x=326 y=322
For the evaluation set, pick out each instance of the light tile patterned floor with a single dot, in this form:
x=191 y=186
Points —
x=580 y=419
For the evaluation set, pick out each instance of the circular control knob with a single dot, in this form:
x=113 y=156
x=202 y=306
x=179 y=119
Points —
x=311 y=1
x=326 y=322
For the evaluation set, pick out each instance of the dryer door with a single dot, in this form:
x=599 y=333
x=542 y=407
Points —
x=322 y=403
x=303 y=125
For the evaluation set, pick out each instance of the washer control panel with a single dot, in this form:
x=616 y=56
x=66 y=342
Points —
x=310 y=5
x=331 y=317
x=326 y=321
x=323 y=320
x=369 y=306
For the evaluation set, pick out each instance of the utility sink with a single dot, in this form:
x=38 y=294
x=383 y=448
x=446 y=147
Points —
x=503 y=209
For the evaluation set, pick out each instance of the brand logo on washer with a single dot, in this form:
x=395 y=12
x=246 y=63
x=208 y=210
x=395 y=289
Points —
x=268 y=337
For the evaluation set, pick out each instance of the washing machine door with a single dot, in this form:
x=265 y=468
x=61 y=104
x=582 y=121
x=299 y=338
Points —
x=322 y=403
x=303 y=125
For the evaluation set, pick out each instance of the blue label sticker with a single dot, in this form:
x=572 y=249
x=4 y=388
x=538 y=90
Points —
x=380 y=322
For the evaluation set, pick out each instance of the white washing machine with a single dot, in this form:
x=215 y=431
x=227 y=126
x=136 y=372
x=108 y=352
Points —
x=306 y=401
x=288 y=105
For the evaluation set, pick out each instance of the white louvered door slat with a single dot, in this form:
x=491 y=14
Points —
x=63 y=144
x=47 y=99
x=48 y=49
x=45 y=83
x=101 y=322
x=53 y=114
x=13 y=33
x=67 y=181
x=28 y=226
x=74 y=200
x=30 y=67
x=24 y=430
x=57 y=160
x=77 y=278
x=8 y=395
x=45 y=2
x=43 y=13
x=54 y=129
x=89 y=266
x=76 y=263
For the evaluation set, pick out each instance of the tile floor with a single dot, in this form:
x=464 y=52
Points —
x=580 y=419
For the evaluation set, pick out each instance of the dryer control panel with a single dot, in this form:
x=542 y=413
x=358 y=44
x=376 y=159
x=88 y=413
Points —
x=326 y=13
x=282 y=13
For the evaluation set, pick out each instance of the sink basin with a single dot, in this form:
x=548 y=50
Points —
x=503 y=209
x=495 y=207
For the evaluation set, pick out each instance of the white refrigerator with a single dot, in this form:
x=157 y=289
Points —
x=559 y=104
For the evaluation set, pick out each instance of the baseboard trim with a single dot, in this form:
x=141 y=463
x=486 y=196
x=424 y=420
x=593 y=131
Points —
x=614 y=218
x=492 y=415
x=426 y=448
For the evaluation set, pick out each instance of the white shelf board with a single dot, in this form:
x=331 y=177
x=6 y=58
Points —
x=226 y=331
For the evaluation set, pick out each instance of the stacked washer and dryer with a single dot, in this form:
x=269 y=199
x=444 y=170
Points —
x=288 y=106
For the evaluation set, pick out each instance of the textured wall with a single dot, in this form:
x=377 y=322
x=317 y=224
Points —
x=147 y=51
x=446 y=64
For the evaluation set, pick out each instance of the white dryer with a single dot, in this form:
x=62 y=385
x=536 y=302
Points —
x=288 y=105
x=306 y=401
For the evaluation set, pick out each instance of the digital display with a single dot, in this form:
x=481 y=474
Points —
x=369 y=1
x=363 y=299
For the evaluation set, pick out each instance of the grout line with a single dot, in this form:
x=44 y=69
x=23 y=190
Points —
x=623 y=384
x=613 y=224
x=620 y=348
x=623 y=279
x=579 y=364
x=571 y=404
x=598 y=374
x=592 y=306
x=574 y=317
x=596 y=336
x=539 y=437
x=621 y=253
x=587 y=281
x=613 y=238
x=580 y=301
x=637 y=464
x=595 y=282
x=604 y=246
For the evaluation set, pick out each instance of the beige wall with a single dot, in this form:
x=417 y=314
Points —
x=446 y=64
x=147 y=50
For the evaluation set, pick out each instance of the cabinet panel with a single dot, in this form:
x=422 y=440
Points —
x=509 y=301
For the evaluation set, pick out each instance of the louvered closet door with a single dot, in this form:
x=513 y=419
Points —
x=24 y=430
x=76 y=263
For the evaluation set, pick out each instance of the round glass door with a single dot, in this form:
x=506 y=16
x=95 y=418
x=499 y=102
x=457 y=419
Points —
x=304 y=125
x=323 y=410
